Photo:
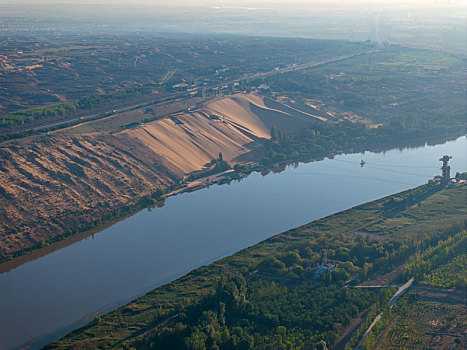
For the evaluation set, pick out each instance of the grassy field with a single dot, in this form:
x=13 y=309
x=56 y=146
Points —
x=252 y=297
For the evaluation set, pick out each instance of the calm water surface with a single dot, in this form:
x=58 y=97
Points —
x=43 y=299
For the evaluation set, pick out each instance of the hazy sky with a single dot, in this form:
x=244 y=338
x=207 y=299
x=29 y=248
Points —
x=252 y=3
x=427 y=23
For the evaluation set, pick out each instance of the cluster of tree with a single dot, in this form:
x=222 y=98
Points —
x=65 y=108
x=452 y=274
x=242 y=168
x=439 y=254
x=370 y=338
x=357 y=258
x=152 y=199
x=321 y=139
x=24 y=116
x=217 y=166
x=287 y=315
x=263 y=314
x=381 y=306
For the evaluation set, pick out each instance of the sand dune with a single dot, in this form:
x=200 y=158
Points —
x=54 y=183
x=243 y=107
x=189 y=141
x=237 y=109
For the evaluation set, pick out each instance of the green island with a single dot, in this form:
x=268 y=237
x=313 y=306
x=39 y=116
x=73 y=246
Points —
x=280 y=294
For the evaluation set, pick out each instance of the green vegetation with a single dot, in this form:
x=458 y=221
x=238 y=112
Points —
x=452 y=274
x=27 y=115
x=443 y=264
x=264 y=314
x=418 y=325
x=242 y=168
x=217 y=166
x=61 y=110
x=397 y=83
x=375 y=310
x=265 y=296
x=87 y=104
x=323 y=138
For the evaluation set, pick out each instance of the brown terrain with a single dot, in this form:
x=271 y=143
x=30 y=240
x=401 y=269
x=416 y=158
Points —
x=426 y=325
x=56 y=183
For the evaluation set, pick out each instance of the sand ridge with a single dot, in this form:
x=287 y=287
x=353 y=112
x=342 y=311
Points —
x=53 y=183
x=237 y=108
x=189 y=141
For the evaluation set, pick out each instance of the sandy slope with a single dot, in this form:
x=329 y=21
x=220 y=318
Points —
x=54 y=183
x=237 y=108
x=51 y=185
x=188 y=141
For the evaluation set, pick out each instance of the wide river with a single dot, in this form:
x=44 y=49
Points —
x=43 y=299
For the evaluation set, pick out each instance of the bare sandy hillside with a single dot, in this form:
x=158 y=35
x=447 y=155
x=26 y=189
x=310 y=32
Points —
x=51 y=185
x=231 y=125
x=55 y=183
x=188 y=141
x=255 y=111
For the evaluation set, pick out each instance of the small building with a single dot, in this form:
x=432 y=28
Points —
x=320 y=269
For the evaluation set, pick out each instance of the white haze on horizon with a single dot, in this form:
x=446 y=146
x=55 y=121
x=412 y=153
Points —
x=439 y=24
x=253 y=3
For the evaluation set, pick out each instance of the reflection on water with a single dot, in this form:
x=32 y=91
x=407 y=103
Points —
x=42 y=299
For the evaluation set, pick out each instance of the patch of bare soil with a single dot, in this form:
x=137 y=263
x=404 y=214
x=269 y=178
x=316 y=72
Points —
x=386 y=279
x=440 y=295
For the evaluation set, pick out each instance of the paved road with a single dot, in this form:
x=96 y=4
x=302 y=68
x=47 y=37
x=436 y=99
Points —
x=400 y=292
x=298 y=67
x=402 y=289
x=179 y=95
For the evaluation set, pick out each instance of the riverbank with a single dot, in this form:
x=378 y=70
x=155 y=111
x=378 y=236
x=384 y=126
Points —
x=154 y=247
x=133 y=324
x=59 y=185
x=70 y=237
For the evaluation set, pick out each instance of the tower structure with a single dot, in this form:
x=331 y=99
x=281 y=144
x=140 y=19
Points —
x=325 y=259
x=446 y=169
